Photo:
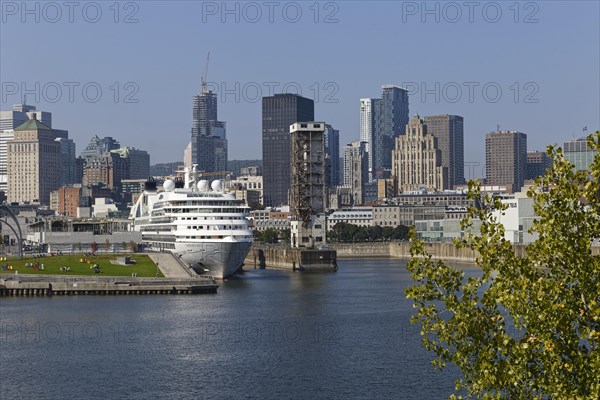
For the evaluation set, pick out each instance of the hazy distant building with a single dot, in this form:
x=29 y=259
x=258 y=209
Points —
x=332 y=149
x=417 y=160
x=5 y=137
x=21 y=113
x=98 y=146
x=356 y=170
x=209 y=141
x=382 y=120
x=68 y=170
x=278 y=113
x=449 y=132
x=34 y=163
x=138 y=162
x=579 y=153
x=537 y=164
x=368 y=126
x=108 y=169
x=506 y=158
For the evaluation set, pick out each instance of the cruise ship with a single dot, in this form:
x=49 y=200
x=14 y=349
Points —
x=198 y=222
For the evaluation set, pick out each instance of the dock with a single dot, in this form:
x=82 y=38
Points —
x=54 y=285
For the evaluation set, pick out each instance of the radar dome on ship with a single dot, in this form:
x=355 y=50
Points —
x=203 y=185
x=169 y=185
x=216 y=185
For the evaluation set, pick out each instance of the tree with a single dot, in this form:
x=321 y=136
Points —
x=525 y=327
x=255 y=205
x=285 y=235
x=269 y=235
x=133 y=246
x=106 y=245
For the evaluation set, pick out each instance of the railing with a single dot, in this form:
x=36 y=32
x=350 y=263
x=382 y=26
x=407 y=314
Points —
x=114 y=280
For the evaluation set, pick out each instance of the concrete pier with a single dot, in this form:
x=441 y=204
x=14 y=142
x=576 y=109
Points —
x=279 y=256
x=52 y=285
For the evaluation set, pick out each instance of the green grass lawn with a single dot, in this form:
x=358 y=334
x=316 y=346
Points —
x=144 y=266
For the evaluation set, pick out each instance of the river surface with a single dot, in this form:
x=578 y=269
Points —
x=267 y=334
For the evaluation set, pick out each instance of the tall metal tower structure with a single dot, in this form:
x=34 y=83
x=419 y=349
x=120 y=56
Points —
x=308 y=186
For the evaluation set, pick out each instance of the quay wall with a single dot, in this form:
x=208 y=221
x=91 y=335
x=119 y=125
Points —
x=282 y=256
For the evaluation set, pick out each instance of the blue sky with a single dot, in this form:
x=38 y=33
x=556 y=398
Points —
x=544 y=57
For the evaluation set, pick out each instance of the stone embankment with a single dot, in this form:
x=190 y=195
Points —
x=282 y=256
x=438 y=251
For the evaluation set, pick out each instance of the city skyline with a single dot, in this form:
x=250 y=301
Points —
x=336 y=85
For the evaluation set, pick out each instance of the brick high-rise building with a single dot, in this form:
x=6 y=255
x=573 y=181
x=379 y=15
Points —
x=506 y=158
x=449 y=132
x=108 y=169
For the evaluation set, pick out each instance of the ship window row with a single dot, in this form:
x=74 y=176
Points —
x=204 y=203
x=204 y=237
x=203 y=210
x=159 y=238
x=206 y=218
x=218 y=227
x=155 y=228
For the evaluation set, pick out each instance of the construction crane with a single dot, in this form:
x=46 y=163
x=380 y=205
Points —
x=204 y=89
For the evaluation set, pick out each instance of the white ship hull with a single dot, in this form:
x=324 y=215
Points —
x=219 y=259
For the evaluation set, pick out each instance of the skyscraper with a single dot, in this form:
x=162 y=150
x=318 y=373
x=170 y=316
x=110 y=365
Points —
x=417 y=160
x=332 y=149
x=209 y=141
x=34 y=163
x=67 y=161
x=368 y=126
x=449 y=132
x=12 y=119
x=382 y=120
x=278 y=113
x=506 y=158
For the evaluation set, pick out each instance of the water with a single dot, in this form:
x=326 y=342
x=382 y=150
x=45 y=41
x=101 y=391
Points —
x=266 y=335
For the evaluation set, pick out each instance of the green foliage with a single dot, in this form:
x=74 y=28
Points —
x=345 y=232
x=526 y=328
x=255 y=205
x=269 y=235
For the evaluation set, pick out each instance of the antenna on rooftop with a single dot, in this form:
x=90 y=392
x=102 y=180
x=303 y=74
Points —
x=498 y=127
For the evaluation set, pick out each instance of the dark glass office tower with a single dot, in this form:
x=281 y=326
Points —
x=390 y=116
x=278 y=113
x=449 y=131
x=209 y=141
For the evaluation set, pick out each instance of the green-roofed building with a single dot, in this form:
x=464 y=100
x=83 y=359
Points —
x=34 y=163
